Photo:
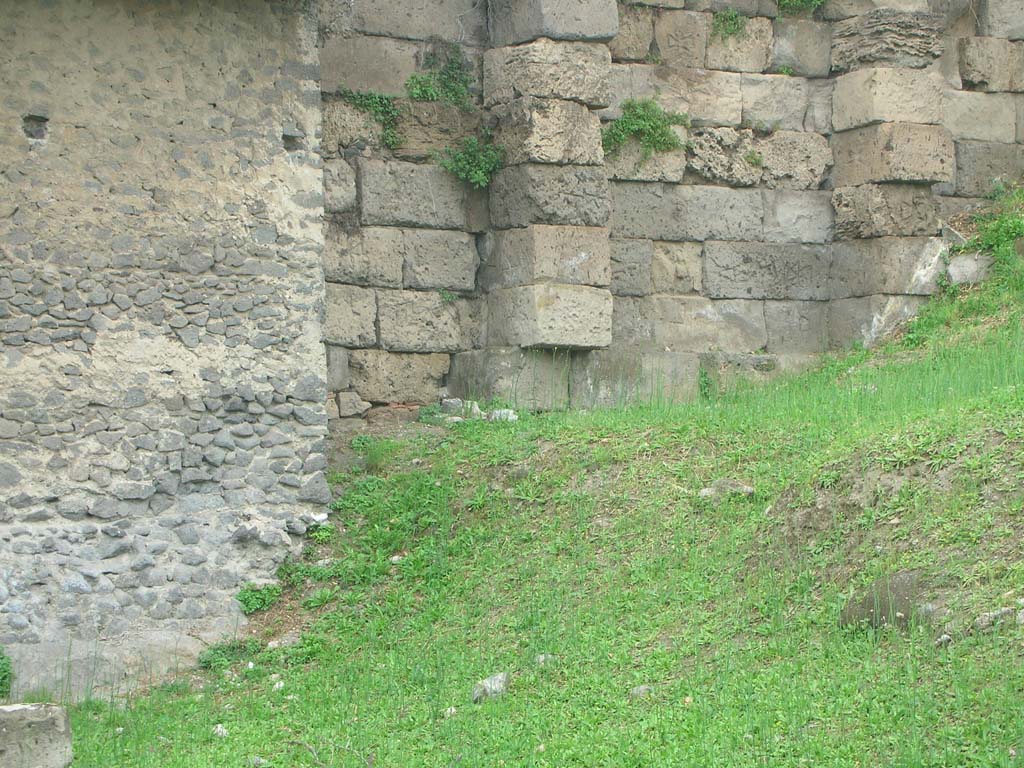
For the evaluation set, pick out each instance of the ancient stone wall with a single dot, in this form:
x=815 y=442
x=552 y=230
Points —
x=162 y=382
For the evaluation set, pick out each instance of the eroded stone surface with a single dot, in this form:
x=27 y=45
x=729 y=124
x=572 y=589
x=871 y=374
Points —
x=35 y=736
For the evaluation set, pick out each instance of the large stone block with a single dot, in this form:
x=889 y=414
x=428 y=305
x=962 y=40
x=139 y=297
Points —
x=891 y=265
x=462 y=21
x=803 y=46
x=427 y=128
x=877 y=95
x=412 y=195
x=1001 y=18
x=887 y=37
x=792 y=216
x=980 y=116
x=632 y=321
x=775 y=102
x=424 y=321
x=869 y=319
x=748 y=51
x=345 y=126
x=636 y=34
x=893 y=152
x=631 y=267
x=370 y=256
x=532 y=379
x=611 y=378
x=368 y=63
x=351 y=317
x=766 y=271
x=631 y=163
x=550 y=315
x=339 y=187
x=708 y=97
x=742 y=158
x=796 y=326
x=697 y=324
x=991 y=64
x=548 y=70
x=682 y=212
x=880 y=210
x=981 y=165
x=337 y=368
x=34 y=736
x=518 y=21
x=431 y=258
x=542 y=253
x=677 y=267
x=548 y=131
x=549 y=194
x=394 y=377
x=682 y=38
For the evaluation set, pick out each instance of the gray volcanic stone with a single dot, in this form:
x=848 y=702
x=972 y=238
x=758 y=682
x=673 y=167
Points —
x=34 y=736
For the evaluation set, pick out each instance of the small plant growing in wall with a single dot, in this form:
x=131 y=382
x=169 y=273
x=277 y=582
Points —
x=475 y=161
x=6 y=676
x=381 y=108
x=728 y=23
x=799 y=6
x=446 y=81
x=645 y=121
x=754 y=158
x=253 y=598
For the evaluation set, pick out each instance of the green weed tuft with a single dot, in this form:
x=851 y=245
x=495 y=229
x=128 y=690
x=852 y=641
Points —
x=223 y=655
x=381 y=108
x=6 y=675
x=645 y=121
x=448 y=81
x=475 y=161
x=728 y=23
x=253 y=598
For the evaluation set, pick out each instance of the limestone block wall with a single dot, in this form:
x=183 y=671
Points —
x=162 y=380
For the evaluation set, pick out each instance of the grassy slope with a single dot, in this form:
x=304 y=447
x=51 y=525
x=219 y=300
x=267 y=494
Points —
x=582 y=536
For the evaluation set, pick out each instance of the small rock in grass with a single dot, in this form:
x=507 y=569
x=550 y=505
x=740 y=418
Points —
x=220 y=731
x=986 y=622
x=286 y=640
x=278 y=685
x=641 y=692
x=503 y=414
x=454 y=420
x=259 y=762
x=450 y=712
x=491 y=687
x=890 y=601
x=1020 y=618
x=542 y=659
x=943 y=640
x=725 y=487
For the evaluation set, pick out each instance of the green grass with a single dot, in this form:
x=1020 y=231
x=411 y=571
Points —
x=583 y=535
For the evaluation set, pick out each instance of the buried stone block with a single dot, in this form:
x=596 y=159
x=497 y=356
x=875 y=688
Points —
x=983 y=166
x=517 y=21
x=550 y=315
x=34 y=736
x=608 y=378
x=893 y=152
x=879 y=210
x=697 y=324
x=766 y=271
x=879 y=95
x=549 y=70
x=796 y=326
x=683 y=212
x=549 y=194
x=542 y=253
x=868 y=319
x=426 y=321
x=394 y=377
x=887 y=265
x=548 y=131
x=533 y=379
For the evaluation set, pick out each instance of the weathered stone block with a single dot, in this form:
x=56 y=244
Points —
x=636 y=34
x=542 y=253
x=875 y=95
x=887 y=37
x=349 y=405
x=462 y=21
x=803 y=46
x=740 y=158
x=1001 y=18
x=632 y=321
x=980 y=116
x=748 y=51
x=548 y=131
x=726 y=370
x=869 y=319
x=708 y=97
x=991 y=64
x=345 y=126
x=980 y=165
x=794 y=160
x=518 y=21
x=677 y=267
x=367 y=63
x=34 y=736
x=631 y=267
x=891 y=265
x=337 y=368
x=370 y=256
x=682 y=38
x=412 y=195
x=837 y=10
x=774 y=102
x=351 y=318
x=681 y=212
x=766 y=271
x=533 y=379
x=796 y=326
x=819 y=106
x=423 y=321
x=550 y=315
x=609 y=378
x=431 y=258
x=394 y=377
x=874 y=210
x=797 y=217
x=697 y=324
x=548 y=70
x=427 y=128
x=969 y=268
x=893 y=152
x=630 y=164
x=549 y=194
x=339 y=187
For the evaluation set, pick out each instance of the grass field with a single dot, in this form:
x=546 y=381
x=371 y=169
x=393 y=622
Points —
x=584 y=536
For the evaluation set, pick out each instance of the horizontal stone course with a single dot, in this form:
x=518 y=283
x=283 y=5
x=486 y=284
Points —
x=887 y=37
x=698 y=324
x=880 y=210
x=368 y=63
x=672 y=212
x=548 y=131
x=462 y=21
x=991 y=64
x=890 y=265
x=677 y=267
x=412 y=195
x=631 y=267
x=792 y=216
x=803 y=46
x=796 y=326
x=620 y=376
x=549 y=70
x=775 y=102
x=875 y=95
x=893 y=152
x=549 y=194
x=682 y=38
x=1001 y=18
x=394 y=377
x=544 y=253
x=866 y=320
x=550 y=315
x=754 y=270
x=532 y=379
x=709 y=97
x=351 y=318
x=424 y=321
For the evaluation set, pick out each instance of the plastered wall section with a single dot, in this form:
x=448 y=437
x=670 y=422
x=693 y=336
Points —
x=162 y=381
